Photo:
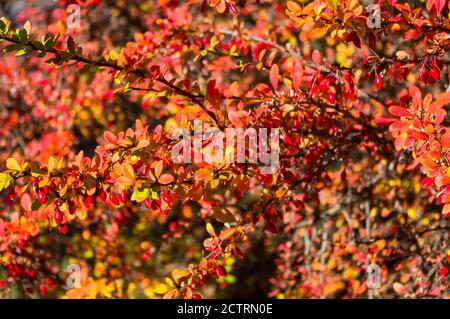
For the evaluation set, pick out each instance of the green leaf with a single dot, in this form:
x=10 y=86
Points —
x=35 y=205
x=71 y=45
x=85 y=69
x=332 y=4
x=23 y=35
x=23 y=51
x=223 y=215
x=36 y=170
x=2 y=27
x=12 y=47
x=140 y=195
x=38 y=45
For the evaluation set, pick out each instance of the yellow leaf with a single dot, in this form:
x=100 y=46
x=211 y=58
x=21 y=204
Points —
x=210 y=230
x=161 y=289
x=158 y=167
x=51 y=164
x=12 y=164
x=128 y=171
x=411 y=213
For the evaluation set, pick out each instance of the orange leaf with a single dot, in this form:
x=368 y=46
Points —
x=441 y=100
x=110 y=137
x=400 y=289
x=166 y=179
x=446 y=209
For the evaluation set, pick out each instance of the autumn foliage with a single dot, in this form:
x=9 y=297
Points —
x=87 y=175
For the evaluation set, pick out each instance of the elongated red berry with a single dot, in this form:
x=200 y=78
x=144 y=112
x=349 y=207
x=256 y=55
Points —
x=58 y=217
x=435 y=74
x=63 y=229
x=155 y=204
x=147 y=202
x=88 y=201
x=196 y=296
x=102 y=195
x=234 y=9
x=123 y=197
x=166 y=198
x=42 y=290
x=114 y=200
x=378 y=82
x=42 y=197
x=331 y=98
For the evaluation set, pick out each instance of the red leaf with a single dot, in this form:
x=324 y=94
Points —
x=213 y=95
x=439 y=5
x=383 y=120
x=427 y=182
x=399 y=111
x=392 y=2
x=445 y=139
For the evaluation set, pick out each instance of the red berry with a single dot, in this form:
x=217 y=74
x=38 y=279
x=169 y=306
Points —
x=88 y=201
x=234 y=9
x=58 y=217
x=145 y=170
x=63 y=229
x=42 y=290
x=22 y=243
x=347 y=37
x=172 y=226
x=102 y=195
x=196 y=296
x=372 y=40
x=113 y=198
x=444 y=271
x=421 y=76
x=146 y=255
x=155 y=204
x=29 y=273
x=42 y=197
x=147 y=202
x=378 y=82
x=435 y=74
x=123 y=197
x=50 y=282
x=331 y=97
x=166 y=197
